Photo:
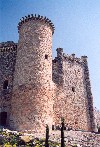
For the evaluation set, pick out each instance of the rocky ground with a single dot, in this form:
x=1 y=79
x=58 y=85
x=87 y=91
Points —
x=72 y=139
x=17 y=139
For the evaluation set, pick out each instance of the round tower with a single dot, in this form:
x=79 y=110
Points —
x=32 y=91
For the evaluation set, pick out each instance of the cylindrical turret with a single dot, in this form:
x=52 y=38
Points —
x=32 y=93
x=34 y=60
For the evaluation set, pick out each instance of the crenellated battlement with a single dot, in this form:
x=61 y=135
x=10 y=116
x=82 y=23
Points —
x=72 y=58
x=8 y=46
x=36 y=18
x=66 y=57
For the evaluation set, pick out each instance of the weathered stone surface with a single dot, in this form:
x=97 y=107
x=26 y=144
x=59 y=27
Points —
x=73 y=97
x=97 y=117
x=32 y=101
x=8 y=53
x=41 y=91
x=83 y=139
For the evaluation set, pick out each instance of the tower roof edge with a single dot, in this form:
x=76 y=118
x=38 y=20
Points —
x=35 y=17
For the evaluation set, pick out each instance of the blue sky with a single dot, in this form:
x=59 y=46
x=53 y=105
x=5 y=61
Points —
x=77 y=29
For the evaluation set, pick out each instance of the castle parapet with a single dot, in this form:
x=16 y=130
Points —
x=36 y=17
x=72 y=58
x=8 y=46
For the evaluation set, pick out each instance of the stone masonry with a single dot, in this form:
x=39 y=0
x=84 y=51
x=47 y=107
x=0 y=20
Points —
x=8 y=53
x=36 y=90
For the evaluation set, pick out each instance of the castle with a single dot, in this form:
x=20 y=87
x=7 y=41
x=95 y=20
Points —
x=36 y=90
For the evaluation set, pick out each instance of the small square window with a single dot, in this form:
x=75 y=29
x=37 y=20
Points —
x=76 y=122
x=73 y=89
x=46 y=56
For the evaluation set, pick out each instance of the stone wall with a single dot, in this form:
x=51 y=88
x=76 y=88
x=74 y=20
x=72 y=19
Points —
x=90 y=108
x=97 y=117
x=8 y=51
x=73 y=98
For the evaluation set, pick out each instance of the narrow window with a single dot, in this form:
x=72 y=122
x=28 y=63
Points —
x=53 y=127
x=5 y=84
x=46 y=56
x=73 y=89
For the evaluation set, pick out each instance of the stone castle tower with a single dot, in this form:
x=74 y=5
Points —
x=36 y=90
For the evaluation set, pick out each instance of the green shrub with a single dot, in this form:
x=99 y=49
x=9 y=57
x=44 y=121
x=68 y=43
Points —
x=14 y=140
